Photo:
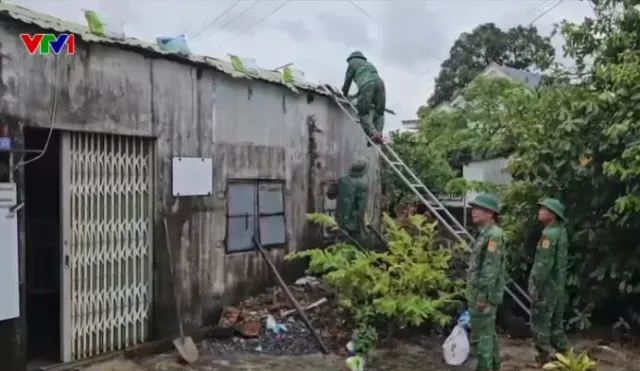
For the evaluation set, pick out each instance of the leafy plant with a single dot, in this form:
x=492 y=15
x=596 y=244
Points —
x=408 y=284
x=365 y=338
x=581 y=319
x=571 y=362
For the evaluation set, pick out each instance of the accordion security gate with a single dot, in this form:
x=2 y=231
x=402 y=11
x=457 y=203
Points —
x=107 y=219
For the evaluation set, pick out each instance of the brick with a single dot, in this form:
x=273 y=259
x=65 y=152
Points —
x=229 y=317
x=250 y=328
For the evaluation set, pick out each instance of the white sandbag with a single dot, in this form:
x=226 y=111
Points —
x=456 y=347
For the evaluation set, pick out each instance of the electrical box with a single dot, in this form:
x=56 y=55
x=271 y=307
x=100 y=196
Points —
x=9 y=271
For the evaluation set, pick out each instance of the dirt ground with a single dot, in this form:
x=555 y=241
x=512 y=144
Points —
x=422 y=354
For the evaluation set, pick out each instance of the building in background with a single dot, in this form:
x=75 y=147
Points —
x=489 y=169
x=410 y=124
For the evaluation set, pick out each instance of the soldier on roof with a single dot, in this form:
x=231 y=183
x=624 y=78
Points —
x=371 y=100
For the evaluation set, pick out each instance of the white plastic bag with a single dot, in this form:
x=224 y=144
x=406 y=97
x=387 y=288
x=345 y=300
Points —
x=355 y=363
x=174 y=44
x=456 y=347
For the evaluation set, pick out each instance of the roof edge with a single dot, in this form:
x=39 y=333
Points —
x=143 y=47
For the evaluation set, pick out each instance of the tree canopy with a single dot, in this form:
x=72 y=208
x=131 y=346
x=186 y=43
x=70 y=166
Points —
x=519 y=47
x=578 y=142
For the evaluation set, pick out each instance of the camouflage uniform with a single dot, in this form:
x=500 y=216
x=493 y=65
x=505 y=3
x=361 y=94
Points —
x=371 y=92
x=486 y=282
x=547 y=286
x=351 y=202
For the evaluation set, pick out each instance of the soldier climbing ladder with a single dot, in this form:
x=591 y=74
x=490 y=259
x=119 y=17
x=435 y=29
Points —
x=435 y=207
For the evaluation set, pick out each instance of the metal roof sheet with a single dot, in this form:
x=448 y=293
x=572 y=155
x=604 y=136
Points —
x=48 y=22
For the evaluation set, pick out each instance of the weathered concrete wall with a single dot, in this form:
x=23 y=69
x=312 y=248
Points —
x=252 y=129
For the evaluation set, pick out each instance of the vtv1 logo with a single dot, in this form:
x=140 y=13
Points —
x=45 y=43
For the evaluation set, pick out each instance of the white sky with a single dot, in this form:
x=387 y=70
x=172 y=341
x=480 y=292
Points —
x=407 y=41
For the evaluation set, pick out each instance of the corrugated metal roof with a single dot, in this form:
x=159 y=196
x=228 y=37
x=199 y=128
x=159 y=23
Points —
x=530 y=79
x=47 y=22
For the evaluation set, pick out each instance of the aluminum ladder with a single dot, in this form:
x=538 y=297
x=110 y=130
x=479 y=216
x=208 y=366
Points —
x=435 y=207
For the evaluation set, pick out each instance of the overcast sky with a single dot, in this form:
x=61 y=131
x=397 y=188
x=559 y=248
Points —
x=407 y=40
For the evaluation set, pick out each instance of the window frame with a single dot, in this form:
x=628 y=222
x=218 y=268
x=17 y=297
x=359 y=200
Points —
x=257 y=215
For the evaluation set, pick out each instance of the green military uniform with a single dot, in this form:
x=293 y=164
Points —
x=485 y=286
x=547 y=285
x=351 y=202
x=371 y=92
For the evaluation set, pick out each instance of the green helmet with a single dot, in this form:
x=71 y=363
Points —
x=358 y=169
x=554 y=206
x=356 y=54
x=486 y=201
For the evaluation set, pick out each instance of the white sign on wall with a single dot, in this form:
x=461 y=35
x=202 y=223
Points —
x=9 y=274
x=192 y=176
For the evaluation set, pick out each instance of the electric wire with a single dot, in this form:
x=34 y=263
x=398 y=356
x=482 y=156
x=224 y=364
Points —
x=371 y=17
x=234 y=18
x=216 y=19
x=546 y=12
x=538 y=7
x=256 y=23
x=536 y=19
x=54 y=106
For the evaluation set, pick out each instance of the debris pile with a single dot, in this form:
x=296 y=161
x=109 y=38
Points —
x=268 y=323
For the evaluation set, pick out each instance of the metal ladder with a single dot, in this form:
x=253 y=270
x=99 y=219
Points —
x=435 y=207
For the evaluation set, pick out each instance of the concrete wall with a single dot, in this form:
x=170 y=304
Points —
x=252 y=129
x=490 y=171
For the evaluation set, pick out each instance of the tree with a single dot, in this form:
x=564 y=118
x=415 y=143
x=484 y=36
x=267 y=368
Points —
x=519 y=47
x=426 y=158
x=577 y=142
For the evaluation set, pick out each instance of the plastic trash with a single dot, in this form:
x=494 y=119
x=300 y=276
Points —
x=274 y=326
x=291 y=75
x=100 y=24
x=350 y=347
x=174 y=44
x=308 y=280
x=456 y=347
x=243 y=64
x=464 y=320
x=355 y=363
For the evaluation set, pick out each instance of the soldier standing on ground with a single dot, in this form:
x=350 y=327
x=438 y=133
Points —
x=547 y=283
x=486 y=281
x=351 y=202
x=371 y=99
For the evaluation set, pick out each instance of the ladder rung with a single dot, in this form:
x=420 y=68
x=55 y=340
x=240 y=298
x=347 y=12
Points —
x=396 y=163
x=418 y=185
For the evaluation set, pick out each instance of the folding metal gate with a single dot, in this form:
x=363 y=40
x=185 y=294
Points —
x=107 y=213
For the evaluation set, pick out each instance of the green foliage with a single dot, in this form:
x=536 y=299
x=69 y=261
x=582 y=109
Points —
x=424 y=157
x=408 y=284
x=577 y=141
x=519 y=47
x=365 y=338
x=571 y=362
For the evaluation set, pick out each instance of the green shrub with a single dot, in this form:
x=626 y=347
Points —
x=408 y=284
